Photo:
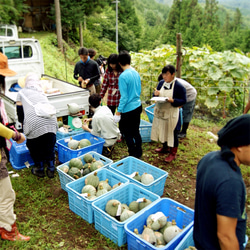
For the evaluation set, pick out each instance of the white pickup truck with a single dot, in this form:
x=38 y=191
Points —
x=24 y=56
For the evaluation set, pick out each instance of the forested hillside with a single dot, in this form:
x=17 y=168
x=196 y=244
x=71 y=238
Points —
x=147 y=24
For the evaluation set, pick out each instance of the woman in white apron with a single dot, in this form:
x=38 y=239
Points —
x=166 y=123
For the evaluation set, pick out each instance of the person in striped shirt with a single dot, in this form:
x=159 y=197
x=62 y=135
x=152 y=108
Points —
x=40 y=132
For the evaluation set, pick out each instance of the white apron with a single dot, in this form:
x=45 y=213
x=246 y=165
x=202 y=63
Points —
x=165 y=119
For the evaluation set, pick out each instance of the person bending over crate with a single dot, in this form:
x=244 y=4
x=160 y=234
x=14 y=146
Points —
x=103 y=124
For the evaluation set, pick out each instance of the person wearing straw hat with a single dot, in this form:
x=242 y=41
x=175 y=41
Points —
x=8 y=227
x=220 y=213
x=40 y=131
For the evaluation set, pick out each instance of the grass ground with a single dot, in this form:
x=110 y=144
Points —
x=42 y=207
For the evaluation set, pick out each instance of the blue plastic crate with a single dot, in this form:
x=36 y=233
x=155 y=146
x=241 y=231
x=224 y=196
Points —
x=150 y=112
x=19 y=154
x=61 y=135
x=66 y=154
x=188 y=241
x=145 y=131
x=83 y=206
x=65 y=178
x=183 y=216
x=108 y=225
x=129 y=165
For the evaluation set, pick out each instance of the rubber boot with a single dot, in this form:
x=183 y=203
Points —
x=13 y=235
x=50 y=169
x=165 y=149
x=183 y=132
x=38 y=170
x=172 y=155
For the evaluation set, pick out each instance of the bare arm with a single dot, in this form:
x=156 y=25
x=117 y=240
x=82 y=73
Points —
x=226 y=232
x=247 y=107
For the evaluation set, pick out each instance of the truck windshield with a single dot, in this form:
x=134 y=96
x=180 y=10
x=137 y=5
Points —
x=15 y=52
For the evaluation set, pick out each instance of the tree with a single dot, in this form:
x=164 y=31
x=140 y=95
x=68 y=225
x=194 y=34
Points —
x=58 y=24
x=237 y=22
x=246 y=41
x=11 y=11
x=210 y=16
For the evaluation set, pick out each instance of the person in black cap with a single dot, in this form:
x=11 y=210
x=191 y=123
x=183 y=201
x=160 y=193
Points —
x=220 y=213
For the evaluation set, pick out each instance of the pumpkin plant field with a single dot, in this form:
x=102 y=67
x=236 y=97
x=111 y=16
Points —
x=42 y=206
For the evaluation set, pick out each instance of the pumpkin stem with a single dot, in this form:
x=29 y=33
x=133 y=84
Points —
x=173 y=222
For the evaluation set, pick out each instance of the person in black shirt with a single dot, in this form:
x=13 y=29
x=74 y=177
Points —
x=86 y=71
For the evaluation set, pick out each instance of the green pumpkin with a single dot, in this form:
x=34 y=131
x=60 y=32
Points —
x=144 y=203
x=96 y=165
x=76 y=163
x=89 y=189
x=86 y=171
x=147 y=178
x=126 y=214
x=105 y=185
x=74 y=172
x=112 y=207
x=92 y=179
x=101 y=190
x=60 y=124
x=84 y=143
x=65 y=168
x=88 y=158
x=137 y=176
x=134 y=206
x=73 y=144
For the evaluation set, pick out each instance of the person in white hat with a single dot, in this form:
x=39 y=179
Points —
x=8 y=227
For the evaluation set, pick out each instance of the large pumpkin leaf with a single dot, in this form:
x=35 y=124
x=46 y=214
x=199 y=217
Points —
x=215 y=73
x=227 y=66
x=212 y=91
x=226 y=84
x=238 y=73
x=211 y=102
x=215 y=59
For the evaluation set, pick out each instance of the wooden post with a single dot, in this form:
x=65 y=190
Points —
x=179 y=55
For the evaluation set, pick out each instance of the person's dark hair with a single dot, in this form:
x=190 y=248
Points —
x=113 y=59
x=94 y=100
x=124 y=58
x=92 y=53
x=160 y=77
x=83 y=51
x=2 y=83
x=169 y=68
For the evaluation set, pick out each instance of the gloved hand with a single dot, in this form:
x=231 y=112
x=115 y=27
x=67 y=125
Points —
x=117 y=118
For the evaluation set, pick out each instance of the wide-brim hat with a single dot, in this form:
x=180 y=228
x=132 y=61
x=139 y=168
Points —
x=22 y=80
x=4 y=68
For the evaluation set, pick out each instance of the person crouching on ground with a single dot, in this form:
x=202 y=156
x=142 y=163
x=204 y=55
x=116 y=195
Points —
x=166 y=124
x=103 y=124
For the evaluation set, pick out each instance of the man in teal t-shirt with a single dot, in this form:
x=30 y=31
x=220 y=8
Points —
x=130 y=108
